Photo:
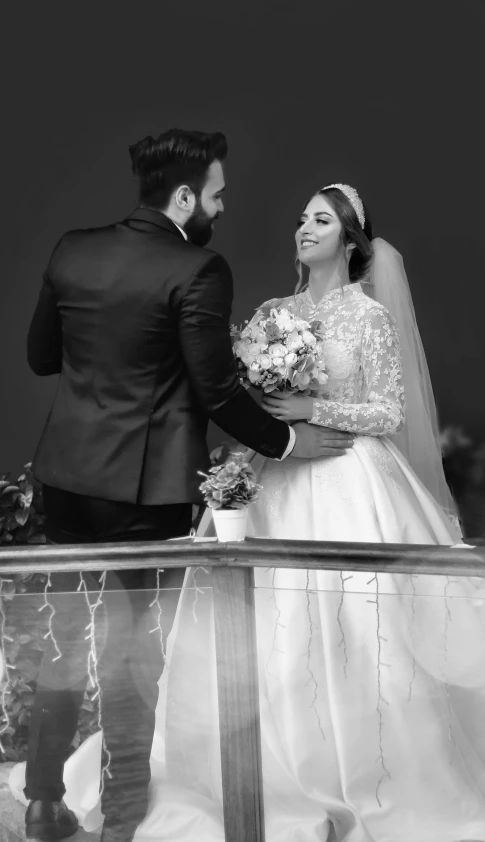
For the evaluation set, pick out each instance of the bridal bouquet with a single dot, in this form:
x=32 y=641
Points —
x=278 y=350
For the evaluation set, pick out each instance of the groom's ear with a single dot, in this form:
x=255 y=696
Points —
x=185 y=198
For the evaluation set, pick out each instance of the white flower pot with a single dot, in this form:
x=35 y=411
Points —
x=230 y=524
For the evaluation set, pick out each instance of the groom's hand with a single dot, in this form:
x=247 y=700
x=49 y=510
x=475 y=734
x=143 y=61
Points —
x=314 y=442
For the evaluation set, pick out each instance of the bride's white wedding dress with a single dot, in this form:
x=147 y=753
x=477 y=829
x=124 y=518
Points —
x=372 y=688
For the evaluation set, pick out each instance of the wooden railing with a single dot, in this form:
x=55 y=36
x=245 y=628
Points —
x=235 y=628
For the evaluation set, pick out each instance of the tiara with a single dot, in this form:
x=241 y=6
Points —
x=353 y=198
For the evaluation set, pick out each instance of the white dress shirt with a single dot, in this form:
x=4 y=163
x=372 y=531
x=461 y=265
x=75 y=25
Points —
x=291 y=444
x=184 y=235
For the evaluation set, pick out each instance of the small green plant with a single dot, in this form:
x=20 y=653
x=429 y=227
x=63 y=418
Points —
x=231 y=485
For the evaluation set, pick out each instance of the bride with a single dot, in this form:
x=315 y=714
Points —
x=372 y=687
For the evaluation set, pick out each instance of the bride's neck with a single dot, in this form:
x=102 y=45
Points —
x=328 y=276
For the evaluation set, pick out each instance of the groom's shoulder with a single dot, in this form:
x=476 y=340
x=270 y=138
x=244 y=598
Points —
x=208 y=256
x=75 y=236
x=68 y=243
x=203 y=260
x=189 y=258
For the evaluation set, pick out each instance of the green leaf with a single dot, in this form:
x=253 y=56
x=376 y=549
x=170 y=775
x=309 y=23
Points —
x=22 y=516
x=10 y=490
x=24 y=716
x=24 y=688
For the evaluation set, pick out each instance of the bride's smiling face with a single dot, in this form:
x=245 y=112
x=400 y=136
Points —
x=319 y=233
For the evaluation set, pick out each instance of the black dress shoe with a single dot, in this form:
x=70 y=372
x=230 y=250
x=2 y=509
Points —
x=48 y=820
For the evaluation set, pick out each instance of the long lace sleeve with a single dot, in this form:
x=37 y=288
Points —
x=383 y=412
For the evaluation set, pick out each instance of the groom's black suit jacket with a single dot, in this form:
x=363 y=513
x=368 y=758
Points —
x=136 y=321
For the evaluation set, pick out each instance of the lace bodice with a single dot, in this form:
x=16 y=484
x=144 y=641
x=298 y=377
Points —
x=364 y=393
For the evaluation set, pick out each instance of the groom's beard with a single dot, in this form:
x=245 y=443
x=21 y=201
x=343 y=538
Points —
x=200 y=225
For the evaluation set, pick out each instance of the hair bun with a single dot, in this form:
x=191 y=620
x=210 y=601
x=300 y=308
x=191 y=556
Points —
x=141 y=154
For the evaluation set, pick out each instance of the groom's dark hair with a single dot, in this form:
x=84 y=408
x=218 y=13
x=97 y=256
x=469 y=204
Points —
x=174 y=158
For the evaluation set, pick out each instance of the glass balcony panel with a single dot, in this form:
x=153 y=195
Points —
x=372 y=704
x=105 y=647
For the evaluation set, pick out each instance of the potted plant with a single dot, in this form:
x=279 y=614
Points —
x=228 y=490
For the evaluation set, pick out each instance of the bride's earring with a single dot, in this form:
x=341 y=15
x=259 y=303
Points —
x=348 y=251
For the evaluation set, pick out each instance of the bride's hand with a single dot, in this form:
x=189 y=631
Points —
x=287 y=406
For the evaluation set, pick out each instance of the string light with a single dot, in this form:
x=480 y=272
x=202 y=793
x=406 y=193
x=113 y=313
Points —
x=197 y=591
x=278 y=625
x=447 y=686
x=380 y=697
x=6 y=667
x=411 y=635
x=312 y=679
x=50 y=632
x=158 y=628
x=93 y=667
x=342 y=641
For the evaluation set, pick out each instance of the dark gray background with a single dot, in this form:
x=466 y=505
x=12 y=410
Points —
x=385 y=95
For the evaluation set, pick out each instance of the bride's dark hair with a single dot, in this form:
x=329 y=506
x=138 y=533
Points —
x=352 y=232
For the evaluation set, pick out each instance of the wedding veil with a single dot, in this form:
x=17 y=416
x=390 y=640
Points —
x=419 y=440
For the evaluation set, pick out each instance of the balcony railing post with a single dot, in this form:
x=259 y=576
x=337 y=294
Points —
x=237 y=677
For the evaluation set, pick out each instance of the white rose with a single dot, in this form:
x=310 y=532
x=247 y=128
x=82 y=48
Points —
x=254 y=366
x=290 y=359
x=282 y=313
x=277 y=350
x=241 y=349
x=284 y=320
x=264 y=361
x=294 y=342
x=254 y=376
x=277 y=361
x=308 y=338
x=322 y=378
x=260 y=337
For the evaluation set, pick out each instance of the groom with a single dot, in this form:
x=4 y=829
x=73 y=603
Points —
x=135 y=319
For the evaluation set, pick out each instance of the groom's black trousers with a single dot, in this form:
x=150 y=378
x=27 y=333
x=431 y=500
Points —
x=129 y=659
